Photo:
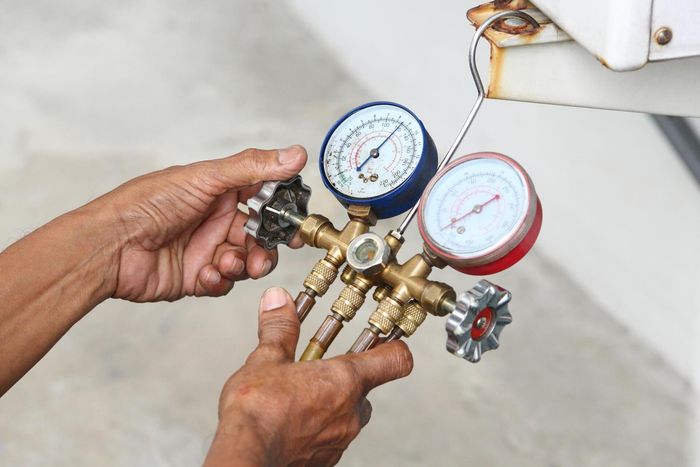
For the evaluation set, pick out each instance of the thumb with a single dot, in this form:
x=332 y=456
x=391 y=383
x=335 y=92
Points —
x=278 y=326
x=256 y=165
x=382 y=364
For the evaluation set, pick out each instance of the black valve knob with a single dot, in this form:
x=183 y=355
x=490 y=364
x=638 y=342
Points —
x=276 y=211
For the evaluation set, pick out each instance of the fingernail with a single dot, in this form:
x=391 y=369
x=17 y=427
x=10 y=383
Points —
x=274 y=298
x=237 y=266
x=288 y=155
x=213 y=277
x=267 y=266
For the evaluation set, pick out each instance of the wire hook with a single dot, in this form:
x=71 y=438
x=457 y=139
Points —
x=479 y=100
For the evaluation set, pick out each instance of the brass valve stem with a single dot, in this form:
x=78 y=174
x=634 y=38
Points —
x=344 y=309
x=395 y=335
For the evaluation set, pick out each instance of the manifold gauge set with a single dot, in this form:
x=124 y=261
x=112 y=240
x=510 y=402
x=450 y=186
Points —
x=479 y=214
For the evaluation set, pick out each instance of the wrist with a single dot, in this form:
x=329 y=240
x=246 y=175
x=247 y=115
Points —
x=97 y=230
x=238 y=443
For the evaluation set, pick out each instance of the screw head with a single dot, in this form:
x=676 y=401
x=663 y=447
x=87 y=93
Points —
x=663 y=35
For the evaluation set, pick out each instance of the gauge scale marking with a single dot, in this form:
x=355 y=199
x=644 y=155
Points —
x=379 y=155
x=481 y=213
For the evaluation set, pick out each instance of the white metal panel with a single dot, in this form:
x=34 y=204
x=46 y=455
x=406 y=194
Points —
x=683 y=18
x=564 y=73
x=615 y=31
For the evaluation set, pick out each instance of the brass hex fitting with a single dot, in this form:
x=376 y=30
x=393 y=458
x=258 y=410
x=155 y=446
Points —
x=433 y=296
x=431 y=258
x=409 y=282
x=312 y=226
x=347 y=275
x=362 y=214
x=413 y=317
x=380 y=293
x=386 y=315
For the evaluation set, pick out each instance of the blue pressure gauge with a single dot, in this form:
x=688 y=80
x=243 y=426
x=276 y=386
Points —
x=378 y=155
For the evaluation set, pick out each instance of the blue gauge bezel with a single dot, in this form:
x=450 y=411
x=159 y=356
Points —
x=403 y=197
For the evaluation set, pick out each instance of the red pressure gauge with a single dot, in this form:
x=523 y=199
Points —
x=480 y=214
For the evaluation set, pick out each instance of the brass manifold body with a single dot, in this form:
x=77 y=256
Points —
x=404 y=294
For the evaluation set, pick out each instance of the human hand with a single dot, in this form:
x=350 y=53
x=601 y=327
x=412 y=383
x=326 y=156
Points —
x=180 y=230
x=275 y=412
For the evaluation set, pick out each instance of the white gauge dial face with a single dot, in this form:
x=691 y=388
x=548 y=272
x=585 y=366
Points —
x=373 y=151
x=475 y=207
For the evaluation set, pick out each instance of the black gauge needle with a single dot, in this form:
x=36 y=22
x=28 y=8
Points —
x=374 y=153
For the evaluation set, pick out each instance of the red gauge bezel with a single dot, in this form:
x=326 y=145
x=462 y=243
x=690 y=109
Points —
x=508 y=251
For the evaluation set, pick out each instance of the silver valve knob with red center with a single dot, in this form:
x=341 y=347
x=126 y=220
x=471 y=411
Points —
x=475 y=326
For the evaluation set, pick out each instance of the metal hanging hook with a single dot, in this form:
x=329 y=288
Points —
x=479 y=100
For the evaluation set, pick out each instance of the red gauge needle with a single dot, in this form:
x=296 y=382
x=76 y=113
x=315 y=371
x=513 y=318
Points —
x=475 y=210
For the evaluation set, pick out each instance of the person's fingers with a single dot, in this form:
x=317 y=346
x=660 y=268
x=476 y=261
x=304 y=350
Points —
x=365 y=412
x=278 y=326
x=260 y=262
x=296 y=242
x=255 y=165
x=380 y=365
x=211 y=283
x=230 y=260
x=236 y=233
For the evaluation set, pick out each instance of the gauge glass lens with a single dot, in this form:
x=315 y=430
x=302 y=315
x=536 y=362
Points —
x=373 y=151
x=475 y=207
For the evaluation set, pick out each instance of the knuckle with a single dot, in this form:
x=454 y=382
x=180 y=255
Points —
x=350 y=378
x=250 y=152
x=206 y=170
x=254 y=162
x=280 y=325
x=206 y=176
x=268 y=352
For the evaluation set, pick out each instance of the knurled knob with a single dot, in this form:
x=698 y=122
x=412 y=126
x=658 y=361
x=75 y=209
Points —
x=348 y=302
x=413 y=317
x=321 y=277
x=386 y=315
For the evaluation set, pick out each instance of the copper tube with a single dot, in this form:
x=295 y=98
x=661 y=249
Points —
x=323 y=338
x=366 y=340
x=304 y=302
